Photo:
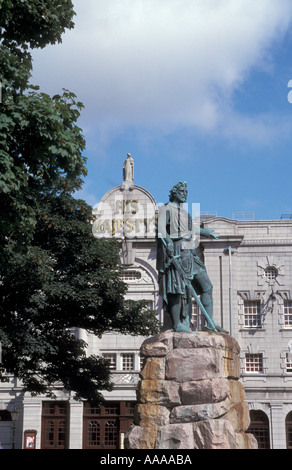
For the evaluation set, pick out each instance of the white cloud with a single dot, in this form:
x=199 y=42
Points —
x=162 y=62
x=260 y=130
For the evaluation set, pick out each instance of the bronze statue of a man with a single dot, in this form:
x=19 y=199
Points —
x=180 y=270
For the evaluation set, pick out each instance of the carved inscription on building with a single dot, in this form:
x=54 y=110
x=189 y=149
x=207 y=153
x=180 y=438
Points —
x=125 y=218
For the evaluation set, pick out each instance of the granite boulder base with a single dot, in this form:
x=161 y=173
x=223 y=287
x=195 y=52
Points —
x=189 y=396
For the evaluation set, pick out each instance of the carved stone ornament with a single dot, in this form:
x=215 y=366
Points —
x=270 y=272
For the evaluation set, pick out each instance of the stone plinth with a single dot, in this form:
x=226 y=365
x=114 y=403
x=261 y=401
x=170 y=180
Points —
x=189 y=395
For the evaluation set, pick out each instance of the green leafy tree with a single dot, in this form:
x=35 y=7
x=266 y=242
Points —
x=68 y=279
x=55 y=276
x=40 y=143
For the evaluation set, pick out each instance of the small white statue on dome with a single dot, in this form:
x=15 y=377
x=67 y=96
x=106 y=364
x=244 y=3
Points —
x=128 y=169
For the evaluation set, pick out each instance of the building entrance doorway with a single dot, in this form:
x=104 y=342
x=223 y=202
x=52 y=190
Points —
x=54 y=425
x=104 y=427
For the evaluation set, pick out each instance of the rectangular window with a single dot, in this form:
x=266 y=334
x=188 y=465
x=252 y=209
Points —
x=142 y=362
x=130 y=407
x=107 y=408
x=289 y=362
x=91 y=410
x=127 y=361
x=150 y=305
x=112 y=358
x=252 y=314
x=254 y=363
x=111 y=408
x=287 y=313
x=131 y=275
x=195 y=316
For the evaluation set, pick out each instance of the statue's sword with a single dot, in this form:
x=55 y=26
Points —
x=211 y=325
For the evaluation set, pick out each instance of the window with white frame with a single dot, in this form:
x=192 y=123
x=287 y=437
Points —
x=127 y=361
x=252 y=314
x=150 y=304
x=195 y=316
x=112 y=358
x=131 y=275
x=254 y=363
x=141 y=361
x=287 y=313
x=289 y=362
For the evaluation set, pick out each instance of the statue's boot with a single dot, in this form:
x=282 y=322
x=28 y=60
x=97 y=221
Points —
x=216 y=328
x=220 y=329
x=178 y=326
x=181 y=328
x=210 y=327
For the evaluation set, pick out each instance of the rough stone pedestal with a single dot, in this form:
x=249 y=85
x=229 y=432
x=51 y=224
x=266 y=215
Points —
x=189 y=396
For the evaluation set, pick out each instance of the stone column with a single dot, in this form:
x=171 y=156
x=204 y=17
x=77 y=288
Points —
x=189 y=396
x=278 y=430
x=76 y=425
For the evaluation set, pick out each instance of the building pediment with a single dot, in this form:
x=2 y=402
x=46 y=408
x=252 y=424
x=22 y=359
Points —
x=126 y=211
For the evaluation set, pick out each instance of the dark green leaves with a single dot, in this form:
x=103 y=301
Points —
x=35 y=22
x=67 y=279
x=40 y=143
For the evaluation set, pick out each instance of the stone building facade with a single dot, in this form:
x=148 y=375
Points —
x=250 y=268
x=250 y=265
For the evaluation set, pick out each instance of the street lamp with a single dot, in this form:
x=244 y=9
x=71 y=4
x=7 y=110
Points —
x=230 y=252
x=14 y=416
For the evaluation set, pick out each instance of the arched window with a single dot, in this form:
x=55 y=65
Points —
x=289 y=430
x=111 y=433
x=93 y=433
x=259 y=427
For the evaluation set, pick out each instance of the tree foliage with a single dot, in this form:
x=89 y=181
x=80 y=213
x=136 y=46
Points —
x=66 y=280
x=35 y=22
x=40 y=143
x=55 y=276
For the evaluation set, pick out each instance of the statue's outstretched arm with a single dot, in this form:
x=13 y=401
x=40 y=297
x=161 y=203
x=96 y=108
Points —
x=208 y=233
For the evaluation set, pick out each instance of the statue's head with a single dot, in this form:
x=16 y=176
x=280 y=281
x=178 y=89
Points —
x=182 y=185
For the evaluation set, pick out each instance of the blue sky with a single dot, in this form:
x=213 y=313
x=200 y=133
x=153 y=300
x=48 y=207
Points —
x=195 y=90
